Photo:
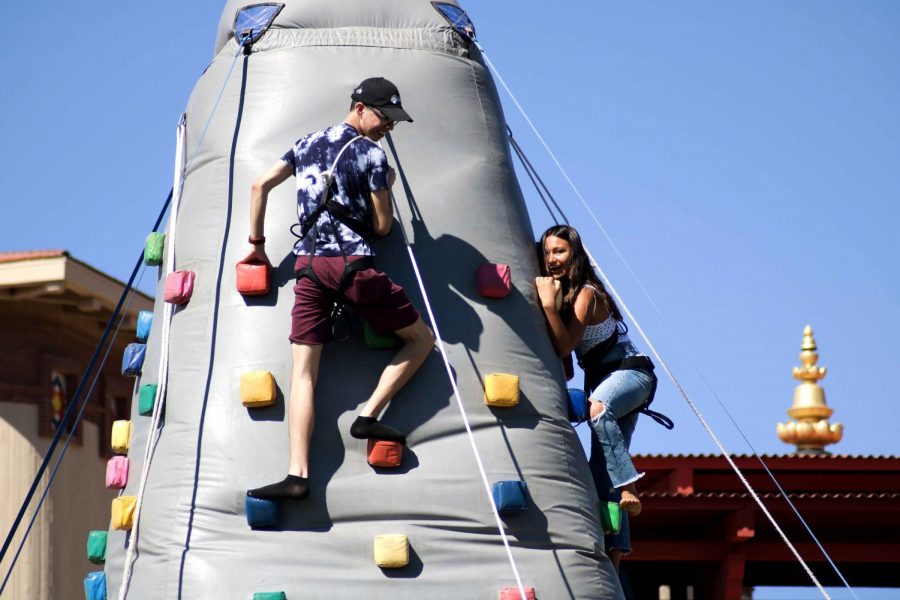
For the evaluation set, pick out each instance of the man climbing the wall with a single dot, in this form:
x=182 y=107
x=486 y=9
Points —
x=343 y=201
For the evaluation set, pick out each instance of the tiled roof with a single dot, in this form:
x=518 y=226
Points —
x=30 y=255
x=767 y=495
x=777 y=456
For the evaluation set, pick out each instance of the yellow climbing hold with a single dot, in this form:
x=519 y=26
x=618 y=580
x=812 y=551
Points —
x=391 y=550
x=257 y=389
x=501 y=389
x=123 y=512
x=121 y=433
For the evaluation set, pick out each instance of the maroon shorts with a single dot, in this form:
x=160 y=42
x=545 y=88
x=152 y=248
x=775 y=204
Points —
x=371 y=293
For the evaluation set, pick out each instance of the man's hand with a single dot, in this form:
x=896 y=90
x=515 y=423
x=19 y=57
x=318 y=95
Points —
x=257 y=255
x=548 y=289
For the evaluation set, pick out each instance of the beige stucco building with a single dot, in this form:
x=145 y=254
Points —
x=53 y=309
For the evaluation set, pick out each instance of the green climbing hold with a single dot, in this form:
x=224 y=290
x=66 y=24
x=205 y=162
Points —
x=96 y=546
x=610 y=517
x=146 y=399
x=378 y=340
x=153 y=249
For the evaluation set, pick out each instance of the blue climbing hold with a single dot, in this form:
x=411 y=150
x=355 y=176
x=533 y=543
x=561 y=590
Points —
x=95 y=586
x=578 y=406
x=510 y=496
x=133 y=359
x=144 y=323
x=261 y=513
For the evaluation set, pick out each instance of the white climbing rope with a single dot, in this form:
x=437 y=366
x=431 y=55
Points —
x=181 y=170
x=458 y=397
x=646 y=339
x=162 y=375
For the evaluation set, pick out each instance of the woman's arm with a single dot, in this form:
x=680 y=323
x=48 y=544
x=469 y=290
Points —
x=565 y=336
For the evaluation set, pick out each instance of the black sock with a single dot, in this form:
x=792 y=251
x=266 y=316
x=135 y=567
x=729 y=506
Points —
x=369 y=427
x=292 y=486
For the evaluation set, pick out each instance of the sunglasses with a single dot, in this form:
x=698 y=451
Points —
x=383 y=119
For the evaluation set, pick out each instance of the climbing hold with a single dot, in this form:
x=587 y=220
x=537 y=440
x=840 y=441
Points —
x=501 y=389
x=121 y=433
x=513 y=593
x=133 y=359
x=95 y=586
x=391 y=550
x=153 y=249
x=379 y=340
x=144 y=323
x=96 y=546
x=494 y=280
x=385 y=454
x=510 y=496
x=252 y=278
x=610 y=517
x=578 y=405
x=123 y=512
x=146 y=398
x=117 y=471
x=269 y=596
x=261 y=512
x=257 y=389
x=179 y=287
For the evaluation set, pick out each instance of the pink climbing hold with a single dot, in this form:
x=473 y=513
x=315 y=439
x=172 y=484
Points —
x=179 y=287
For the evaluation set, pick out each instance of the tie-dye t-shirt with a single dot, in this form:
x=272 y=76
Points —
x=362 y=169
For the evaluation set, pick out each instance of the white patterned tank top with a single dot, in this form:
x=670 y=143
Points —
x=597 y=334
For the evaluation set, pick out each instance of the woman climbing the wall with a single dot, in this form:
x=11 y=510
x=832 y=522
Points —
x=582 y=317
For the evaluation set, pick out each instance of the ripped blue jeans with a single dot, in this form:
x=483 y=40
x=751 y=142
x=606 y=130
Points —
x=622 y=393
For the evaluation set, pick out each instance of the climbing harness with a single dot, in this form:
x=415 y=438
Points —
x=450 y=376
x=665 y=366
x=335 y=211
x=600 y=369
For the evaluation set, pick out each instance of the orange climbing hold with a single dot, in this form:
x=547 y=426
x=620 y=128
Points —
x=252 y=278
x=385 y=454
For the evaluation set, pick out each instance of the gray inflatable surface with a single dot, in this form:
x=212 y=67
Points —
x=464 y=207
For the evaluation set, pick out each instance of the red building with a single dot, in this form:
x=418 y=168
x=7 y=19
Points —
x=701 y=529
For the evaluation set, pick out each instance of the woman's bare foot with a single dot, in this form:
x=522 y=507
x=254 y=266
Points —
x=630 y=502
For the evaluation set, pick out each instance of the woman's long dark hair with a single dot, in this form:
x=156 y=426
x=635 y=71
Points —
x=580 y=273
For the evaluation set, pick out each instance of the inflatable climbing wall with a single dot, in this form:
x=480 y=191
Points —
x=428 y=521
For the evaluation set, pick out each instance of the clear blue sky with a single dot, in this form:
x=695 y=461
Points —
x=742 y=156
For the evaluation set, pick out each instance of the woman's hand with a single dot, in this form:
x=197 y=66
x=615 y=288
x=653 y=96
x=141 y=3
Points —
x=548 y=289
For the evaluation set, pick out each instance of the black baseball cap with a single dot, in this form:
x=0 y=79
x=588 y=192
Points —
x=380 y=93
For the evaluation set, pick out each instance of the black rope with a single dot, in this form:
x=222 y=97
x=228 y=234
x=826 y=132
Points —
x=215 y=327
x=70 y=410
x=533 y=175
x=65 y=447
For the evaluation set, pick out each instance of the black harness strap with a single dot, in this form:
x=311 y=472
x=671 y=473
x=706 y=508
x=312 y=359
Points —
x=339 y=212
x=599 y=370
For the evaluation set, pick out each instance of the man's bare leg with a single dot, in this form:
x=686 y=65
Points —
x=301 y=417
x=418 y=343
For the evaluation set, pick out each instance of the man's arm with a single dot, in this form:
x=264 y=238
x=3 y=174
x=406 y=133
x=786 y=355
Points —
x=259 y=194
x=382 y=209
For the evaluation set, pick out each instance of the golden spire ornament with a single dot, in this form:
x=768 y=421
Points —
x=810 y=430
